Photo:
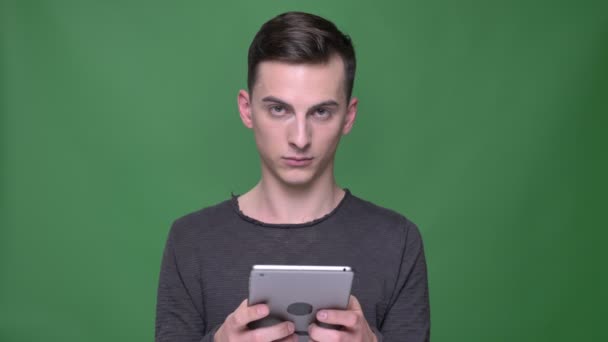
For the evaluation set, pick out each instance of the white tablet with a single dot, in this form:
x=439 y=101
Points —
x=296 y=293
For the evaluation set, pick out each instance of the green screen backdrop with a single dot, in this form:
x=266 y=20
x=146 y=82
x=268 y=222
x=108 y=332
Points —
x=481 y=121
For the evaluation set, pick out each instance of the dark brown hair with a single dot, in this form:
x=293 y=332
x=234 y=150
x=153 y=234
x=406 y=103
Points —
x=297 y=37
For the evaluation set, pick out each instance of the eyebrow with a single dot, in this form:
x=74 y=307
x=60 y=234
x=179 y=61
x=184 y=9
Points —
x=287 y=105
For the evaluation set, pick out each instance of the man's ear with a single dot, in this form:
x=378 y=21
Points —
x=245 y=105
x=351 y=114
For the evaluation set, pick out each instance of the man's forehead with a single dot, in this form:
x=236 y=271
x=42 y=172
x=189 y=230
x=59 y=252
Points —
x=302 y=81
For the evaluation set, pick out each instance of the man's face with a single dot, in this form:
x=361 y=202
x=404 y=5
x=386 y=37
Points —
x=298 y=113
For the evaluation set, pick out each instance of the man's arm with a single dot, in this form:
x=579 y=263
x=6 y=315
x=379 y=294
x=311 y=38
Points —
x=407 y=315
x=408 y=311
x=180 y=311
x=179 y=306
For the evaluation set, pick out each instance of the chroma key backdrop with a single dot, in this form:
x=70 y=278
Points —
x=484 y=122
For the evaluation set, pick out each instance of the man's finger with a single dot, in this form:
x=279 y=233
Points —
x=353 y=304
x=347 y=318
x=274 y=332
x=245 y=314
x=290 y=338
x=317 y=333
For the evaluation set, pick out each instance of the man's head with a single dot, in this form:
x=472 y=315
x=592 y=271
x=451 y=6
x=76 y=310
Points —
x=299 y=102
x=301 y=38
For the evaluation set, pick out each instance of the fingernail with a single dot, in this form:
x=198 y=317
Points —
x=321 y=315
x=261 y=310
x=291 y=327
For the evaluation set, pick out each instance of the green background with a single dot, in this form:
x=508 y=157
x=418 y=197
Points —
x=482 y=121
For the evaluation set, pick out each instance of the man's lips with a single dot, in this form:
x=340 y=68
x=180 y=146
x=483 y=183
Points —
x=298 y=161
x=298 y=158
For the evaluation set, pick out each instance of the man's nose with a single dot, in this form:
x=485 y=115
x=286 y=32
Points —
x=300 y=133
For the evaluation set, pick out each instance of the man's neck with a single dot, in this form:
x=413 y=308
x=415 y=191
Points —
x=272 y=202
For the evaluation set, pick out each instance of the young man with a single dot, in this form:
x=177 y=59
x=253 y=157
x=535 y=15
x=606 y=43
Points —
x=299 y=105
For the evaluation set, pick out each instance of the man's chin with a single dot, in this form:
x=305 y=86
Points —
x=296 y=182
x=299 y=180
x=295 y=177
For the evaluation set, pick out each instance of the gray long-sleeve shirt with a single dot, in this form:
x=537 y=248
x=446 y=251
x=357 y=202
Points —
x=208 y=256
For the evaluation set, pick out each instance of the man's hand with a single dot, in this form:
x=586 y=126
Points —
x=235 y=327
x=355 y=326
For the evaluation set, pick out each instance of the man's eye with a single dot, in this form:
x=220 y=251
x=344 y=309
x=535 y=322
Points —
x=277 y=110
x=322 y=113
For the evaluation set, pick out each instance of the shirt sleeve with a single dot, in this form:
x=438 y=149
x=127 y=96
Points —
x=408 y=313
x=179 y=305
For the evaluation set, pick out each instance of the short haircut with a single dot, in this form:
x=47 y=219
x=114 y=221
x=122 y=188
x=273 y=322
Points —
x=297 y=37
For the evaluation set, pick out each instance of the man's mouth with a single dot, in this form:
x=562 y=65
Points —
x=298 y=161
